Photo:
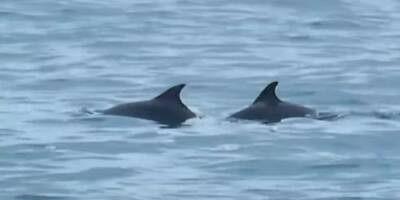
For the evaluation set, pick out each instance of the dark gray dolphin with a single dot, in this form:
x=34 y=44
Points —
x=167 y=108
x=269 y=108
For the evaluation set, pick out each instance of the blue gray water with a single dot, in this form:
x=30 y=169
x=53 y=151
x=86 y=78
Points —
x=58 y=58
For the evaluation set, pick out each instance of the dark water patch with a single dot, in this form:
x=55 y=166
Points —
x=92 y=174
x=112 y=147
x=268 y=149
x=10 y=132
x=7 y=57
x=7 y=78
x=90 y=118
x=102 y=46
x=106 y=131
x=337 y=24
x=301 y=38
x=20 y=38
x=385 y=115
x=335 y=166
x=257 y=167
x=57 y=84
x=19 y=173
x=7 y=164
x=28 y=151
x=30 y=101
x=350 y=198
x=84 y=157
x=40 y=166
x=72 y=138
x=19 y=71
x=47 y=121
x=46 y=58
x=20 y=16
x=26 y=146
x=22 y=155
x=42 y=197
x=184 y=195
x=144 y=135
x=195 y=141
x=372 y=61
x=27 y=100
x=278 y=194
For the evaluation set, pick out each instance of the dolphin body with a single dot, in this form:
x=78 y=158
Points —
x=167 y=108
x=268 y=108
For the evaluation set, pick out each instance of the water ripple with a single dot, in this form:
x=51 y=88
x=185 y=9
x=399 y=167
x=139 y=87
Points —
x=61 y=61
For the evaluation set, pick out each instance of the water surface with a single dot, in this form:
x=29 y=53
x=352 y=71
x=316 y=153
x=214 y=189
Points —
x=58 y=58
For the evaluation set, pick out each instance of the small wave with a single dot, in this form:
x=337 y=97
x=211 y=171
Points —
x=388 y=115
x=84 y=112
x=328 y=116
x=92 y=174
x=40 y=197
x=336 y=166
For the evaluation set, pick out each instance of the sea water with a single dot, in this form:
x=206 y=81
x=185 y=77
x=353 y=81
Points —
x=62 y=58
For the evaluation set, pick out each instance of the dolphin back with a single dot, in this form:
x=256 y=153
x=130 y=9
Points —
x=166 y=108
x=269 y=108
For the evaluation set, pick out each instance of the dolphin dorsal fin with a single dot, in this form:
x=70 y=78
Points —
x=172 y=94
x=268 y=95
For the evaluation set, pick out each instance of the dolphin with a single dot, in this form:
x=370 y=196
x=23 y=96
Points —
x=167 y=108
x=268 y=108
